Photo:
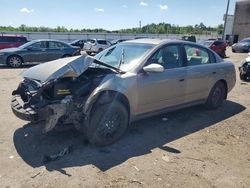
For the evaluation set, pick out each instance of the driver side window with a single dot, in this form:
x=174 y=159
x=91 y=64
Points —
x=168 y=56
x=39 y=45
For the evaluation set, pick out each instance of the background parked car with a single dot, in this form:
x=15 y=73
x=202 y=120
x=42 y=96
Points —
x=190 y=38
x=11 y=41
x=37 y=51
x=245 y=69
x=96 y=45
x=79 y=43
x=219 y=46
x=242 y=46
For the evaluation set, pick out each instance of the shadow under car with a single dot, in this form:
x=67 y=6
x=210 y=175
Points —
x=141 y=137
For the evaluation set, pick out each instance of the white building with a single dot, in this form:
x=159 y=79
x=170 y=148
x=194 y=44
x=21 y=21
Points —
x=229 y=26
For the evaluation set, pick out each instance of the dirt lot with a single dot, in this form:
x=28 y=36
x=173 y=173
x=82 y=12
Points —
x=191 y=148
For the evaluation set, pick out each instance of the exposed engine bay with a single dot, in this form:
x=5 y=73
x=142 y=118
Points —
x=59 y=100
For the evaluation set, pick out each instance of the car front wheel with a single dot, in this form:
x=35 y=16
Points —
x=107 y=124
x=216 y=96
x=14 y=61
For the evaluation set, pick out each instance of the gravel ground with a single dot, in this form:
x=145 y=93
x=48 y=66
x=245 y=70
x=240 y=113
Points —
x=187 y=148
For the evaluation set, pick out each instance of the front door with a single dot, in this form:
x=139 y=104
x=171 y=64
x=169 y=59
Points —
x=36 y=52
x=157 y=91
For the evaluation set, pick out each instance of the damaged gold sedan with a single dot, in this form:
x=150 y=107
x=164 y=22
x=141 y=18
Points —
x=101 y=95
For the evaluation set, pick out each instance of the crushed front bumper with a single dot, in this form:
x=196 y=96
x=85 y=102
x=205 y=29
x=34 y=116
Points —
x=24 y=114
x=50 y=114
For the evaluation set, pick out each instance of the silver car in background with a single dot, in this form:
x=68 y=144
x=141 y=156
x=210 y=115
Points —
x=135 y=79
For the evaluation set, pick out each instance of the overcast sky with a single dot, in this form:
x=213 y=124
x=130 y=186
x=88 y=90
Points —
x=111 y=14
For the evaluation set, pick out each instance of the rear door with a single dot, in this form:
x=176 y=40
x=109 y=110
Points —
x=200 y=72
x=157 y=91
x=55 y=50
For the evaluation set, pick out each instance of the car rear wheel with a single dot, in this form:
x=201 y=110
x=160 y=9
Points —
x=216 y=96
x=107 y=124
x=14 y=61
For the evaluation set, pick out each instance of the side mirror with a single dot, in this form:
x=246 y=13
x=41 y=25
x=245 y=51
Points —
x=153 y=68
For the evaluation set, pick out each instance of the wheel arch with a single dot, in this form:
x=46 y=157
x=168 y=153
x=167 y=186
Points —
x=226 y=86
x=107 y=96
x=11 y=55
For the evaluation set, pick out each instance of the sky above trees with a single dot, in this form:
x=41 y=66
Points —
x=111 y=14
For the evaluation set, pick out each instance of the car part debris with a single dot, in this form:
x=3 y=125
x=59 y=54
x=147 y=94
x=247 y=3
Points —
x=59 y=155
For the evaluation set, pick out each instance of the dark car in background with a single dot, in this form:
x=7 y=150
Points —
x=79 y=43
x=218 y=46
x=244 y=69
x=12 y=41
x=190 y=38
x=37 y=51
x=242 y=46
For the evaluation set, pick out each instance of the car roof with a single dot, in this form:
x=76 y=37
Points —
x=146 y=41
x=52 y=40
x=158 y=41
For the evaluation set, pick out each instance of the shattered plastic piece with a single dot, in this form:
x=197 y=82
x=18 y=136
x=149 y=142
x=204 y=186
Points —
x=137 y=168
x=11 y=157
x=165 y=158
x=26 y=135
x=54 y=157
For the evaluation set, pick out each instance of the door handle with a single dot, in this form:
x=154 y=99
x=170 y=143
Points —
x=214 y=72
x=181 y=80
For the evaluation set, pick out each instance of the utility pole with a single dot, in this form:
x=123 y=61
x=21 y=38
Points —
x=225 y=21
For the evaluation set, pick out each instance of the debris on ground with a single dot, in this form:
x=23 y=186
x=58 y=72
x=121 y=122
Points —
x=165 y=158
x=136 y=168
x=11 y=157
x=54 y=157
x=136 y=181
x=35 y=175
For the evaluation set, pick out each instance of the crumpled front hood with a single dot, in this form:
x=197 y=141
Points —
x=60 y=68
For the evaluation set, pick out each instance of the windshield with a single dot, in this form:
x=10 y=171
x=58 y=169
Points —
x=26 y=44
x=124 y=56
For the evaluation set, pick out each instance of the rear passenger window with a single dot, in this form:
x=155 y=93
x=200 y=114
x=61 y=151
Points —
x=55 y=45
x=196 y=55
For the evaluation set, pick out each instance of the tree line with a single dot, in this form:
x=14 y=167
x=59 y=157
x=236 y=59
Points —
x=161 y=28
